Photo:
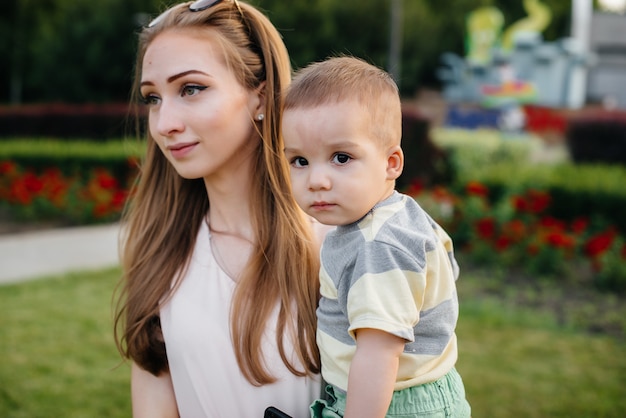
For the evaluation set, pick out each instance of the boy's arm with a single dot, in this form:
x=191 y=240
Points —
x=373 y=373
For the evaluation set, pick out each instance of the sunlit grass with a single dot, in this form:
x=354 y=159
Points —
x=58 y=359
x=57 y=356
x=520 y=363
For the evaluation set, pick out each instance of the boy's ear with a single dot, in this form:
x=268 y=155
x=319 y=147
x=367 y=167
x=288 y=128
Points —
x=395 y=162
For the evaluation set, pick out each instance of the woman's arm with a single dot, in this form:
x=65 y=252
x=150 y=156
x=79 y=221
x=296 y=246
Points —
x=152 y=396
x=373 y=373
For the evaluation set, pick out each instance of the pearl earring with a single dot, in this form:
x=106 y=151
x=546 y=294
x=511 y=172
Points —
x=260 y=117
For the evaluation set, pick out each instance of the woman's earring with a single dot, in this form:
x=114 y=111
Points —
x=260 y=117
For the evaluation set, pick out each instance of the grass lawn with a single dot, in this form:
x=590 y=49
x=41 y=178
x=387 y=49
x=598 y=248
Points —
x=57 y=354
x=58 y=359
x=517 y=362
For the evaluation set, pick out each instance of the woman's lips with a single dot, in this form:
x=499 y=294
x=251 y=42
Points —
x=181 y=150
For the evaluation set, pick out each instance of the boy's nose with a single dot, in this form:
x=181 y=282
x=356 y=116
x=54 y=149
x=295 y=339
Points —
x=319 y=179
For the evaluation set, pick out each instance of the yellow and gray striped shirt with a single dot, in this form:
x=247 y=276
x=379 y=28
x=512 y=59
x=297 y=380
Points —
x=393 y=270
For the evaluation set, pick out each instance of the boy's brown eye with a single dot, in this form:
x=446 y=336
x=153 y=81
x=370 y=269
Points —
x=299 y=162
x=341 y=158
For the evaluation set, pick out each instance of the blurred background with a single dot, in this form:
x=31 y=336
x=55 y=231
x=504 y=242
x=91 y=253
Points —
x=82 y=51
x=514 y=133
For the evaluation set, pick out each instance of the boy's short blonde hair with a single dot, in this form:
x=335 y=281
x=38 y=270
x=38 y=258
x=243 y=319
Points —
x=345 y=78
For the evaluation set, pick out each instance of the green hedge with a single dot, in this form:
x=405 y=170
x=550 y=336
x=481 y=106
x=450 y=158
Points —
x=507 y=166
x=55 y=149
x=73 y=157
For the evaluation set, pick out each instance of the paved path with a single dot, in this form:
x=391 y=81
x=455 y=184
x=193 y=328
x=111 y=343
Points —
x=31 y=255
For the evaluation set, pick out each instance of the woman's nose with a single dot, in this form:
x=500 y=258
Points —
x=168 y=120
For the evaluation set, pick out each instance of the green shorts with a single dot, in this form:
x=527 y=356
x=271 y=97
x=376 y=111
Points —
x=442 y=398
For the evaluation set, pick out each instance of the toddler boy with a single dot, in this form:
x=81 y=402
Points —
x=388 y=312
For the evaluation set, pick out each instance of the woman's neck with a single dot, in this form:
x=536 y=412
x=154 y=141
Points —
x=229 y=207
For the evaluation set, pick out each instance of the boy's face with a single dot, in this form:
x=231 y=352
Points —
x=338 y=171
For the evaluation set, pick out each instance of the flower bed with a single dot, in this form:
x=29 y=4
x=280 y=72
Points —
x=51 y=195
x=516 y=233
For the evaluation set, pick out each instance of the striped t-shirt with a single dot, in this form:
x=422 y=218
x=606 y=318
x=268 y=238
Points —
x=393 y=270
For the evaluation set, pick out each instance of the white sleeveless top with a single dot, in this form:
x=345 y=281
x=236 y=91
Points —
x=207 y=380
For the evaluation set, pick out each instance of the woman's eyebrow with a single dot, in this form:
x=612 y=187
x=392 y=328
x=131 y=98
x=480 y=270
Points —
x=184 y=73
x=175 y=77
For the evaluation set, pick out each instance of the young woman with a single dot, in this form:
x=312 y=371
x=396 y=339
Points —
x=217 y=312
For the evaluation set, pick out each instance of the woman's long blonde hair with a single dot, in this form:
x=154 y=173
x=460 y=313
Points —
x=165 y=212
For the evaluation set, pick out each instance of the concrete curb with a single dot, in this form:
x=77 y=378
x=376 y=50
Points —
x=32 y=255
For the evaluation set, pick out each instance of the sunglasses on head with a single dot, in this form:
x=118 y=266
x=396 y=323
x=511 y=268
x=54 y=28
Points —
x=196 y=6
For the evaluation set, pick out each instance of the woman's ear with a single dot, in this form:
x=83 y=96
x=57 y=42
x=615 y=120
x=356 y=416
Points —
x=259 y=109
x=395 y=162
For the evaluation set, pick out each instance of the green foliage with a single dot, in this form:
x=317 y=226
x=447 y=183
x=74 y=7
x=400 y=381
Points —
x=83 y=50
x=473 y=152
x=612 y=268
x=314 y=30
x=58 y=149
x=71 y=50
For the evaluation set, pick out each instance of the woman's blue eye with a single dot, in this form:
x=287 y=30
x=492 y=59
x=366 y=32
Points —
x=192 y=90
x=341 y=158
x=150 y=99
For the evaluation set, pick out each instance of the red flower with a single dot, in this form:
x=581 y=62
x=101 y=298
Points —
x=100 y=210
x=537 y=201
x=552 y=224
x=519 y=203
x=441 y=194
x=599 y=243
x=486 y=228
x=474 y=188
x=514 y=230
x=106 y=180
x=25 y=188
x=54 y=186
x=32 y=183
x=19 y=193
x=415 y=188
x=579 y=225
x=7 y=167
x=532 y=249
x=502 y=243
x=118 y=199
x=534 y=201
x=560 y=240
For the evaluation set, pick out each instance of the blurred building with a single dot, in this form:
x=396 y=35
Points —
x=587 y=67
x=607 y=78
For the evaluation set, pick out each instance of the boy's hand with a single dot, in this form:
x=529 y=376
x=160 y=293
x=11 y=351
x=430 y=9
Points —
x=373 y=373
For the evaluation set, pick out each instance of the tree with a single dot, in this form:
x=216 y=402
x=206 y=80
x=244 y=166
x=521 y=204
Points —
x=84 y=50
x=73 y=50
